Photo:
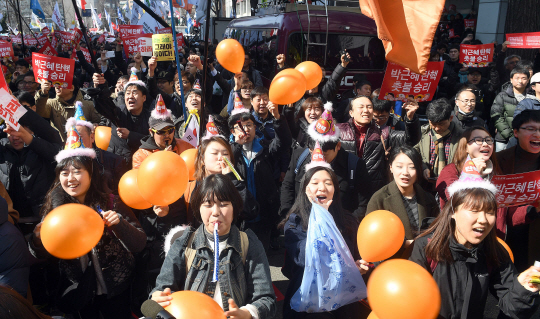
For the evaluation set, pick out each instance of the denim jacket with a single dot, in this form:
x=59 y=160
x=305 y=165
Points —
x=245 y=284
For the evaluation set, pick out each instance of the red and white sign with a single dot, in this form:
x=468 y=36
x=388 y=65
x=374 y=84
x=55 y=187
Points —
x=6 y=49
x=163 y=31
x=110 y=40
x=101 y=38
x=400 y=84
x=30 y=40
x=131 y=44
x=42 y=39
x=470 y=23
x=529 y=40
x=517 y=189
x=145 y=44
x=47 y=49
x=86 y=54
x=45 y=31
x=76 y=36
x=65 y=37
x=10 y=109
x=180 y=40
x=54 y=41
x=127 y=30
x=476 y=56
x=17 y=39
x=59 y=71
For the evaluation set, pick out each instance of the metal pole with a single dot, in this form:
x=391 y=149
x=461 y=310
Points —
x=20 y=25
x=152 y=13
x=25 y=23
x=206 y=35
x=85 y=35
x=173 y=27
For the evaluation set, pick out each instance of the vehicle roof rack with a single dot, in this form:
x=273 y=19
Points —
x=279 y=6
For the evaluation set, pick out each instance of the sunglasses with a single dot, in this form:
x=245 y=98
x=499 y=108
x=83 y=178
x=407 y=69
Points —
x=164 y=132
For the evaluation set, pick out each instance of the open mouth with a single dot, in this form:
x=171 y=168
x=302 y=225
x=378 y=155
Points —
x=321 y=198
x=405 y=180
x=535 y=144
x=73 y=186
x=479 y=231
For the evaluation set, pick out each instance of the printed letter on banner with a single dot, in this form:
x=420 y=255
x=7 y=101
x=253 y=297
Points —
x=129 y=30
x=517 y=189
x=131 y=44
x=163 y=47
x=10 y=109
x=476 y=56
x=59 y=71
x=6 y=49
x=145 y=44
x=400 y=84
x=47 y=49
x=529 y=40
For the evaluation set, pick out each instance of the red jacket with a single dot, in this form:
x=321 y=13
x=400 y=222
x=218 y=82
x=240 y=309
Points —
x=513 y=216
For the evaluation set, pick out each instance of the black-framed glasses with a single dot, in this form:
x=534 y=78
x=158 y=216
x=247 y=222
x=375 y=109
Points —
x=530 y=129
x=27 y=83
x=479 y=140
x=164 y=132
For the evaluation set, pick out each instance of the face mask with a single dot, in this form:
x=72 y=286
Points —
x=103 y=68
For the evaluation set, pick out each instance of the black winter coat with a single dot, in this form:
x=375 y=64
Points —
x=464 y=283
x=374 y=151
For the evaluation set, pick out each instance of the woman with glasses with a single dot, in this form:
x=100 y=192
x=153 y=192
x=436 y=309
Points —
x=477 y=145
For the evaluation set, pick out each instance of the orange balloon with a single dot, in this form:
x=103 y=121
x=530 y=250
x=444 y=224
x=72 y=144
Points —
x=192 y=304
x=312 y=72
x=380 y=236
x=505 y=245
x=372 y=315
x=230 y=54
x=189 y=157
x=162 y=178
x=129 y=191
x=71 y=231
x=287 y=87
x=103 y=137
x=400 y=288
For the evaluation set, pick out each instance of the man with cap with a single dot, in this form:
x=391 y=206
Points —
x=350 y=170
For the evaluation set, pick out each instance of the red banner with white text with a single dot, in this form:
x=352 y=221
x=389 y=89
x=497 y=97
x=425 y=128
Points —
x=517 y=189
x=47 y=49
x=59 y=71
x=529 y=40
x=476 y=56
x=6 y=49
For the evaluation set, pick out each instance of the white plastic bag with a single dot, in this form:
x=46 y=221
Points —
x=331 y=278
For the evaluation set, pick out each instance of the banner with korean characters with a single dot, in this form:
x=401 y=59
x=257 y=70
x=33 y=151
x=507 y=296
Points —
x=128 y=30
x=131 y=44
x=42 y=40
x=517 y=189
x=529 y=40
x=179 y=36
x=10 y=109
x=47 y=49
x=400 y=84
x=59 y=71
x=145 y=44
x=6 y=49
x=65 y=37
x=45 y=31
x=476 y=56
x=76 y=36
x=86 y=54
x=163 y=47
x=30 y=40
x=470 y=23
x=17 y=39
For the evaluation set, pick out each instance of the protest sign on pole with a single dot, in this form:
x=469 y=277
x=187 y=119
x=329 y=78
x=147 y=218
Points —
x=110 y=40
x=101 y=38
x=30 y=40
x=470 y=23
x=86 y=54
x=400 y=84
x=65 y=37
x=145 y=44
x=6 y=49
x=163 y=47
x=476 y=56
x=47 y=49
x=59 y=71
x=529 y=40
x=129 y=30
x=54 y=41
x=76 y=36
x=10 y=109
x=42 y=40
x=17 y=39
x=3 y=83
x=517 y=189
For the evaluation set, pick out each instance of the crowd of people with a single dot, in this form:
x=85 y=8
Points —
x=350 y=153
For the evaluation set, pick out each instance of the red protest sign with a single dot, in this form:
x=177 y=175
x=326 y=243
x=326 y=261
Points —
x=127 y=30
x=59 y=71
x=47 y=49
x=6 y=49
x=86 y=54
x=45 y=31
x=42 y=40
x=76 y=36
x=517 y=189
x=529 y=40
x=54 y=41
x=476 y=56
x=101 y=38
x=65 y=37
x=10 y=109
x=163 y=31
x=17 y=39
x=110 y=39
x=131 y=44
x=30 y=40
x=3 y=83
x=145 y=44
x=399 y=84
x=470 y=23
x=180 y=40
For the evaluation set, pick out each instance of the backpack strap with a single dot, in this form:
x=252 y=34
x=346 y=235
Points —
x=244 y=242
x=352 y=162
x=189 y=253
x=187 y=197
x=301 y=160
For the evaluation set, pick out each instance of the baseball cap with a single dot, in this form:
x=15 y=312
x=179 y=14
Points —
x=165 y=75
x=535 y=78
x=159 y=124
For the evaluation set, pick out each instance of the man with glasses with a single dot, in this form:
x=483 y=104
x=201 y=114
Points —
x=464 y=113
x=27 y=83
x=523 y=238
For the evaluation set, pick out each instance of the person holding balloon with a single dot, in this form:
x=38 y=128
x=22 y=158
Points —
x=461 y=251
x=97 y=281
x=217 y=258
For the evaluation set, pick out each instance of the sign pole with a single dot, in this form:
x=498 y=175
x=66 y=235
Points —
x=178 y=70
x=85 y=35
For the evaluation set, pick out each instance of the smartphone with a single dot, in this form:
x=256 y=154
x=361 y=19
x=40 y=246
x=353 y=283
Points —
x=343 y=52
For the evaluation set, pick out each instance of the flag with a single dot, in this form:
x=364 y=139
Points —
x=406 y=28
x=136 y=12
x=192 y=132
x=200 y=12
x=108 y=18
x=189 y=23
x=119 y=14
x=81 y=4
x=36 y=9
x=34 y=21
x=95 y=19
x=57 y=17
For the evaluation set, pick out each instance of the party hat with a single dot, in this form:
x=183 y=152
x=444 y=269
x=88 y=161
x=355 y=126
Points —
x=317 y=158
x=78 y=118
x=197 y=85
x=470 y=178
x=324 y=130
x=238 y=105
x=74 y=147
x=211 y=129
x=133 y=79
x=161 y=112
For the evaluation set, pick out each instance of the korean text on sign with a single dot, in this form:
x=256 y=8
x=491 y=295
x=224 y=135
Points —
x=476 y=56
x=47 y=49
x=10 y=109
x=163 y=47
x=145 y=44
x=529 y=40
x=6 y=49
x=517 y=189
x=400 y=84
x=59 y=71
x=131 y=44
x=127 y=30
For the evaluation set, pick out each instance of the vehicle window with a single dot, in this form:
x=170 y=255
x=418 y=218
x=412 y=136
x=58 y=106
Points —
x=367 y=52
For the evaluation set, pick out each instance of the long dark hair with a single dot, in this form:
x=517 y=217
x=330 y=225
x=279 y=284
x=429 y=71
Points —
x=413 y=155
x=461 y=151
x=200 y=170
x=95 y=196
x=443 y=228
x=302 y=206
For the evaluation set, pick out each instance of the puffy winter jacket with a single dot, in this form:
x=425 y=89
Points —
x=502 y=114
x=374 y=151
x=148 y=146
